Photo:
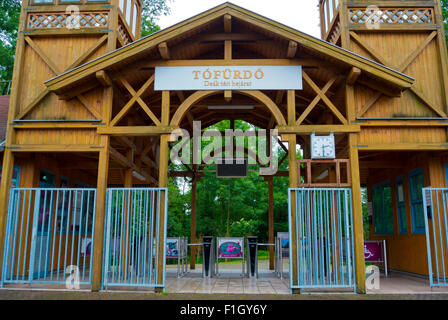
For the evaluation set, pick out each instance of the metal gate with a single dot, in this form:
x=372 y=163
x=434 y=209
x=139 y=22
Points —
x=435 y=202
x=133 y=236
x=49 y=233
x=323 y=243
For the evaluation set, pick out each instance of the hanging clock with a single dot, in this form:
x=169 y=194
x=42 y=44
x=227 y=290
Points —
x=323 y=147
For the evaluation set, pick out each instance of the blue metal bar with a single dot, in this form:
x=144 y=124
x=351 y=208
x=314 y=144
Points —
x=428 y=245
x=439 y=221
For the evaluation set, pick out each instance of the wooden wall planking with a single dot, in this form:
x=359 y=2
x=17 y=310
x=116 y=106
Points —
x=407 y=252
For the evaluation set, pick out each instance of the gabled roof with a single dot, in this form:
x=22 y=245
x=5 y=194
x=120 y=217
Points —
x=70 y=78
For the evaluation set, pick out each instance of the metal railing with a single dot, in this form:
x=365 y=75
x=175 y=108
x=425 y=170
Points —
x=5 y=87
x=435 y=206
x=132 y=237
x=324 y=238
x=49 y=232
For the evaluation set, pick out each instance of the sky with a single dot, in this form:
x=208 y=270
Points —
x=302 y=15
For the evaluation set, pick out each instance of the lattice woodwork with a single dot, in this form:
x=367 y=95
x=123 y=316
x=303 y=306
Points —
x=391 y=15
x=56 y=20
x=123 y=33
x=335 y=32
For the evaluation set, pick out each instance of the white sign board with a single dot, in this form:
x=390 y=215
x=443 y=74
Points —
x=228 y=78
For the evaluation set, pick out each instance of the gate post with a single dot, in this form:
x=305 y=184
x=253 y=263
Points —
x=163 y=183
x=100 y=214
x=358 y=231
x=293 y=183
x=7 y=172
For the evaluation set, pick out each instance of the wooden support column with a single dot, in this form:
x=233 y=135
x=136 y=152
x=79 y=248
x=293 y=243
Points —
x=163 y=183
x=103 y=173
x=358 y=229
x=271 y=222
x=293 y=183
x=193 y=224
x=8 y=157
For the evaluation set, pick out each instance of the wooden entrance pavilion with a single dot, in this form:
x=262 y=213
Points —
x=83 y=102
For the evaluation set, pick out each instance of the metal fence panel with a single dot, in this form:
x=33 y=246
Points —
x=324 y=238
x=435 y=202
x=49 y=232
x=132 y=237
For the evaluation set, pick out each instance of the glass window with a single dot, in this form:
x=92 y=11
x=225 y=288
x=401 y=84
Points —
x=15 y=176
x=325 y=15
x=134 y=20
x=416 y=184
x=331 y=9
x=383 y=222
x=71 y=1
x=42 y=1
x=121 y=5
x=128 y=12
x=401 y=207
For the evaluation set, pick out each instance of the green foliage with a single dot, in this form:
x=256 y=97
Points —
x=229 y=207
x=9 y=21
x=151 y=11
x=444 y=4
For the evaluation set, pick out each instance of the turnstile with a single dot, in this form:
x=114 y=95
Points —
x=208 y=257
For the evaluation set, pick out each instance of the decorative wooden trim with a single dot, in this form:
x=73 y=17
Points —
x=316 y=100
x=325 y=99
x=388 y=15
x=57 y=20
x=136 y=98
x=403 y=66
x=308 y=181
x=104 y=62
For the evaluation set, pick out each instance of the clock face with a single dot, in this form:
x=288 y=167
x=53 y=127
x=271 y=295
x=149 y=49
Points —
x=322 y=147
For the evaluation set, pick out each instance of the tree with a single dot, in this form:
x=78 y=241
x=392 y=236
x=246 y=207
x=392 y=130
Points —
x=9 y=22
x=152 y=10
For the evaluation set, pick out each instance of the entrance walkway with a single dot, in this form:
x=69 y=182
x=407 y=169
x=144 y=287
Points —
x=230 y=281
x=397 y=283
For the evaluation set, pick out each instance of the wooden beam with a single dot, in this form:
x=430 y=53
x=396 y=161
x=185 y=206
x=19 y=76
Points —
x=193 y=224
x=327 y=101
x=139 y=100
x=102 y=183
x=228 y=95
x=321 y=128
x=103 y=78
x=292 y=49
x=164 y=51
x=402 y=146
x=227 y=23
x=131 y=102
x=135 y=130
x=125 y=162
x=271 y=221
x=316 y=100
x=353 y=75
x=127 y=142
x=358 y=232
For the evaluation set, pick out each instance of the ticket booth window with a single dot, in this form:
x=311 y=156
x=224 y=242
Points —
x=382 y=209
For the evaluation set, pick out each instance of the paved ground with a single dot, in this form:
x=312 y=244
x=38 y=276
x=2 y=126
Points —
x=231 y=286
